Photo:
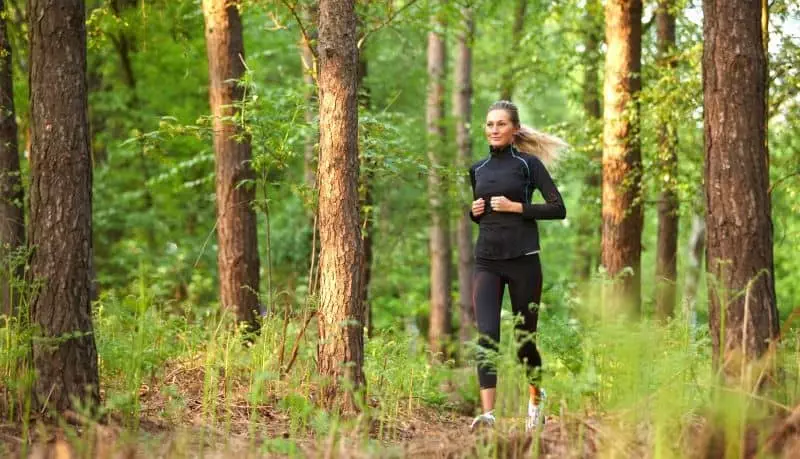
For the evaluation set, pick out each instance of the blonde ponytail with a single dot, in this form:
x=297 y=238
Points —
x=546 y=147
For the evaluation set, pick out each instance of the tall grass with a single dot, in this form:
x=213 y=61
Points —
x=16 y=334
x=634 y=388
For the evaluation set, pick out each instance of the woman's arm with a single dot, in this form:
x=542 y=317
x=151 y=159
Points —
x=553 y=208
x=474 y=218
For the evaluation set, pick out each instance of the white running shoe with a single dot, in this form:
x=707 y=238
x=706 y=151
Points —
x=484 y=420
x=535 y=413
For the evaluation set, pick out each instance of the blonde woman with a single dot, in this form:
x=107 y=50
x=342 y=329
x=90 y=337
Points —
x=507 y=250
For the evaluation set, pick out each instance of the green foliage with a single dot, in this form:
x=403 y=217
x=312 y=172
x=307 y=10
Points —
x=164 y=343
x=784 y=158
x=16 y=335
x=630 y=375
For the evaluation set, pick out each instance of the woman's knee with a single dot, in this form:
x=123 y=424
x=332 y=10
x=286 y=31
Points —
x=528 y=354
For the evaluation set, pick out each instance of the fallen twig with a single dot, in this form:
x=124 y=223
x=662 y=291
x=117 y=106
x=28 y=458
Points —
x=296 y=346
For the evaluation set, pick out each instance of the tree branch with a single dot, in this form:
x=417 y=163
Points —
x=388 y=20
x=777 y=103
x=781 y=180
x=303 y=30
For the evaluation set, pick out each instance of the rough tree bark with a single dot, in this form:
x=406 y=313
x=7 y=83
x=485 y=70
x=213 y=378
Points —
x=622 y=210
x=237 y=237
x=743 y=314
x=60 y=231
x=341 y=316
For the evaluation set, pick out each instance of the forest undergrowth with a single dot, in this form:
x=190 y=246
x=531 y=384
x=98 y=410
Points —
x=181 y=383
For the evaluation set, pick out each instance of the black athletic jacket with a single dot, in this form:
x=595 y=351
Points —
x=513 y=174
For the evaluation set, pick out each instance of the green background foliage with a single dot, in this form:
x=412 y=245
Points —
x=154 y=215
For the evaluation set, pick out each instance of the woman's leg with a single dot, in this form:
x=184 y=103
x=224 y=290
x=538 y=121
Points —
x=525 y=288
x=487 y=298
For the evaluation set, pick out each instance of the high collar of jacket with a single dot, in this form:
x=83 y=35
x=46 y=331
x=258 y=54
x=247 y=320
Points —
x=500 y=151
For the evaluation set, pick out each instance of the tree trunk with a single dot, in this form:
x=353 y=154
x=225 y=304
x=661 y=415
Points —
x=368 y=223
x=308 y=60
x=367 y=198
x=124 y=43
x=507 y=84
x=462 y=112
x=588 y=219
x=439 y=243
x=341 y=320
x=237 y=237
x=743 y=315
x=668 y=216
x=12 y=217
x=309 y=72
x=622 y=210
x=60 y=233
x=765 y=45
x=695 y=251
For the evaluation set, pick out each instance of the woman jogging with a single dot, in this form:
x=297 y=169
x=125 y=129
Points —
x=507 y=250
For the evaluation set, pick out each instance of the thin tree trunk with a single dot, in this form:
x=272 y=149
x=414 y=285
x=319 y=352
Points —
x=309 y=73
x=462 y=112
x=696 y=250
x=341 y=339
x=622 y=210
x=307 y=44
x=237 y=237
x=124 y=44
x=509 y=80
x=60 y=232
x=743 y=314
x=97 y=121
x=368 y=237
x=668 y=216
x=765 y=45
x=587 y=253
x=12 y=217
x=440 y=250
x=367 y=201
x=17 y=17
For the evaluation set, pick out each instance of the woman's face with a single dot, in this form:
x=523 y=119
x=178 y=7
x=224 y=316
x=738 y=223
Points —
x=499 y=128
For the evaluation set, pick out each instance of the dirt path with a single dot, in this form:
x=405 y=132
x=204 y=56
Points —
x=430 y=435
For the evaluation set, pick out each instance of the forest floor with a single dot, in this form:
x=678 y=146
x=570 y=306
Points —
x=430 y=434
x=238 y=430
x=268 y=431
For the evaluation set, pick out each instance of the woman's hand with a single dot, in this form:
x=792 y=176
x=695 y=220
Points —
x=478 y=206
x=503 y=204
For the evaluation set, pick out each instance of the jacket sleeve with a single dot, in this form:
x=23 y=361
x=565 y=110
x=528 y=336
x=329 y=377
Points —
x=472 y=183
x=553 y=208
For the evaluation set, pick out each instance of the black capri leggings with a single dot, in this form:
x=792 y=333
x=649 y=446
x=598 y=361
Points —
x=524 y=278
